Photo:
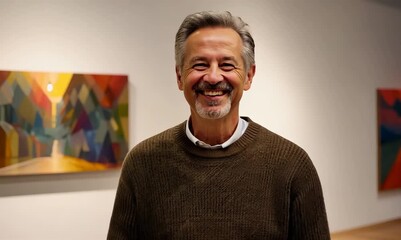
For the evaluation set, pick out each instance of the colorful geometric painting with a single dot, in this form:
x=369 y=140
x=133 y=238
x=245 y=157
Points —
x=62 y=122
x=389 y=122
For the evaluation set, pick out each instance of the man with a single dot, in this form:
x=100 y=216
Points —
x=217 y=176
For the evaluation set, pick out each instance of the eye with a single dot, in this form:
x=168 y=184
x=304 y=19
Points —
x=200 y=66
x=227 y=66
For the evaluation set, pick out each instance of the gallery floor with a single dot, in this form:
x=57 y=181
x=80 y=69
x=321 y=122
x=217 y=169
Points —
x=390 y=230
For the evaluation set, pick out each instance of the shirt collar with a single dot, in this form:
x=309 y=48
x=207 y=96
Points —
x=239 y=131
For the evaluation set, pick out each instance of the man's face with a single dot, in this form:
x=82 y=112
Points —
x=213 y=77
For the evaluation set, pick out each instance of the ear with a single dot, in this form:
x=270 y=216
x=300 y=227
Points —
x=178 y=76
x=249 y=77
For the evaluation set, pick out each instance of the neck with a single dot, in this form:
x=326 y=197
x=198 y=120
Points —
x=213 y=131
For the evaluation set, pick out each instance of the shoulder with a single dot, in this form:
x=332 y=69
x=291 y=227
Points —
x=157 y=145
x=274 y=143
x=287 y=157
x=280 y=152
x=160 y=140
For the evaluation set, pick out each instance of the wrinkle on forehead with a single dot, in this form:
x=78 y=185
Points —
x=207 y=42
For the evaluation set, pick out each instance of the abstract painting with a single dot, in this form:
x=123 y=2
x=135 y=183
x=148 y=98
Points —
x=389 y=123
x=62 y=122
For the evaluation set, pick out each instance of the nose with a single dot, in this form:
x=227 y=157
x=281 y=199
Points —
x=213 y=75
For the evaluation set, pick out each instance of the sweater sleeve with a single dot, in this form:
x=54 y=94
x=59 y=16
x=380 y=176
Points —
x=308 y=219
x=122 y=223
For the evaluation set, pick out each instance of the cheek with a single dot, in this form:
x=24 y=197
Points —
x=240 y=76
x=236 y=79
x=191 y=78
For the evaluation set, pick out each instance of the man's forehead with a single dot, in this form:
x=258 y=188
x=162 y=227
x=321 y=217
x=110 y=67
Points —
x=222 y=43
x=217 y=38
x=214 y=30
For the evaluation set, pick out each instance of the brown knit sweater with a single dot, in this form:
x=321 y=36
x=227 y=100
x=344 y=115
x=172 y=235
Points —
x=260 y=187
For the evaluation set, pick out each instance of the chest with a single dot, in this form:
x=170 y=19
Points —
x=230 y=200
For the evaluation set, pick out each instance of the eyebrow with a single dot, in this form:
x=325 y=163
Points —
x=195 y=59
x=230 y=59
x=199 y=58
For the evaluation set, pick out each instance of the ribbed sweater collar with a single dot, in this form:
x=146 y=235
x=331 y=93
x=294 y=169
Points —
x=238 y=146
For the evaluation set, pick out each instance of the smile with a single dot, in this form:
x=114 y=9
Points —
x=212 y=93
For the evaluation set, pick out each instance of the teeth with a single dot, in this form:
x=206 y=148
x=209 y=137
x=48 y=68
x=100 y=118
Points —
x=213 y=93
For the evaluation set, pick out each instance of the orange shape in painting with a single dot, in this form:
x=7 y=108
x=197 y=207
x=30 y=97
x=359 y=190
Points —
x=112 y=86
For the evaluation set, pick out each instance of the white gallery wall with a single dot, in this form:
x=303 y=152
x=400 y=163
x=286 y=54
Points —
x=319 y=63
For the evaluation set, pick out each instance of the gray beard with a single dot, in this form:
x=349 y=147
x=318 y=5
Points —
x=213 y=114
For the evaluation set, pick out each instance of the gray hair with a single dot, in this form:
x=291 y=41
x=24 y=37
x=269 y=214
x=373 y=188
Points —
x=204 y=19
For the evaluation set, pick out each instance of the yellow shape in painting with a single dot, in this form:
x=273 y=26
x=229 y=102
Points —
x=83 y=94
x=113 y=124
x=48 y=165
x=60 y=83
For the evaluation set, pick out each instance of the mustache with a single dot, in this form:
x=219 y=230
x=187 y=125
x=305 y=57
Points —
x=204 y=86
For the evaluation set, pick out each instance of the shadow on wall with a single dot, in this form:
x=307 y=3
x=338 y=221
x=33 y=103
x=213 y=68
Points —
x=388 y=194
x=389 y=3
x=57 y=183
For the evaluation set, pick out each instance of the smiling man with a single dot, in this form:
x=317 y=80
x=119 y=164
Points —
x=217 y=175
x=213 y=75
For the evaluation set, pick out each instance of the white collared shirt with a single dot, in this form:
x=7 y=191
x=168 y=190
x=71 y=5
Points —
x=241 y=127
